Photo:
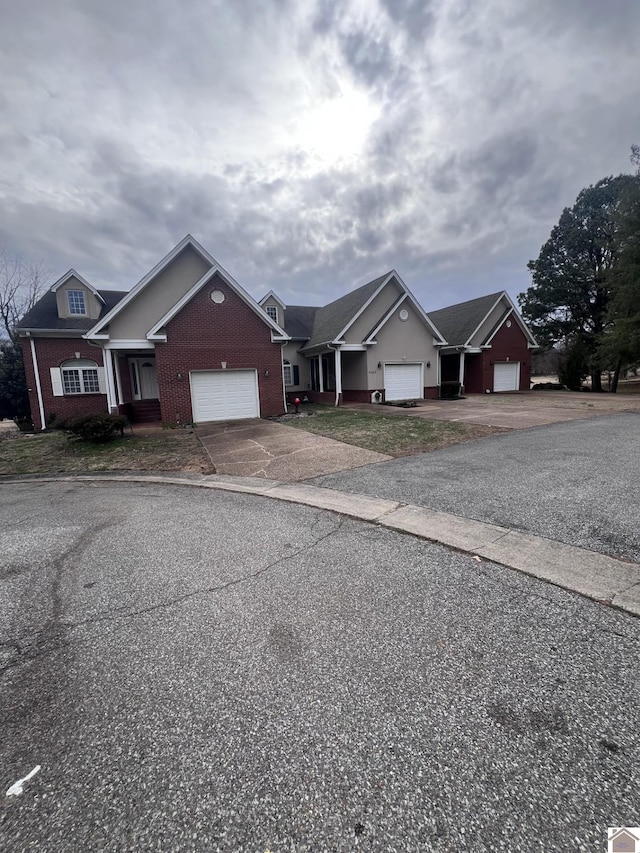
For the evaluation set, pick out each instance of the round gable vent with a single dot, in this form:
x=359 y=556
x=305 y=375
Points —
x=404 y=314
x=217 y=296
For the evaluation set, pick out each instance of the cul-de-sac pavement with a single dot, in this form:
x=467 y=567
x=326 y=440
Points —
x=199 y=669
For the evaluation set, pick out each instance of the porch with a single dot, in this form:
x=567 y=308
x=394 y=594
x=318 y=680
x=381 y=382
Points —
x=132 y=384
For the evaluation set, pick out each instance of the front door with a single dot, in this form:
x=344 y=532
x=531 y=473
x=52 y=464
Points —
x=144 y=380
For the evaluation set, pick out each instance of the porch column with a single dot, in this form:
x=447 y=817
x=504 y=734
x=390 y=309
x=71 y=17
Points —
x=461 y=375
x=119 y=380
x=321 y=377
x=338 y=372
x=111 y=385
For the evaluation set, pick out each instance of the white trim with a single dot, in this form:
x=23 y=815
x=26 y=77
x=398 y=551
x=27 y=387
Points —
x=320 y=374
x=124 y=343
x=461 y=370
x=387 y=317
x=338 y=375
x=163 y=264
x=154 y=331
x=272 y=295
x=364 y=307
x=485 y=318
x=34 y=359
x=118 y=380
x=111 y=389
x=73 y=274
x=356 y=347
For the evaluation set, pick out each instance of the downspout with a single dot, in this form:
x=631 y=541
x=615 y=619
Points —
x=284 y=390
x=34 y=359
x=104 y=364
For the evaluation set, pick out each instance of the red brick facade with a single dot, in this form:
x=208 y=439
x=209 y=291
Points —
x=52 y=352
x=509 y=344
x=205 y=334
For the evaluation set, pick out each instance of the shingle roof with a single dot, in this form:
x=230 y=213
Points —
x=331 y=319
x=298 y=321
x=44 y=314
x=458 y=322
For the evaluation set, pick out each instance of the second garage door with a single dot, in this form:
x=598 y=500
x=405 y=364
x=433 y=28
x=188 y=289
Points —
x=224 y=395
x=506 y=376
x=403 y=382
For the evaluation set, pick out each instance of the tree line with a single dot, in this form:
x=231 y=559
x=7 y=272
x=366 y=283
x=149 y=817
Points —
x=585 y=294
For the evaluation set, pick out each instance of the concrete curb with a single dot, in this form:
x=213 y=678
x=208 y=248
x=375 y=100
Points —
x=605 y=579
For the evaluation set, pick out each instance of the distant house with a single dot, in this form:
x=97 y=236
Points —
x=188 y=344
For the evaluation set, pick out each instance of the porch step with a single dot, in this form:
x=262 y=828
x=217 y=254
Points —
x=143 y=411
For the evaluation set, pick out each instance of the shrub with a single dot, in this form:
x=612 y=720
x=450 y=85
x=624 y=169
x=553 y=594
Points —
x=449 y=390
x=96 y=428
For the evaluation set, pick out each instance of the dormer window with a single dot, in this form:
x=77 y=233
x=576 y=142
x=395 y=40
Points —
x=272 y=312
x=76 y=302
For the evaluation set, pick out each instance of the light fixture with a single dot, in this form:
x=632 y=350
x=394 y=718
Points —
x=77 y=355
x=379 y=365
x=266 y=373
x=428 y=364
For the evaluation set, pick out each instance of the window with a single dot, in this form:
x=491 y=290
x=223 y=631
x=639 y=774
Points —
x=288 y=376
x=76 y=302
x=272 y=312
x=80 y=376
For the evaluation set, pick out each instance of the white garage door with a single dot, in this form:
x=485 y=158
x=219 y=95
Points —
x=224 y=395
x=403 y=382
x=506 y=376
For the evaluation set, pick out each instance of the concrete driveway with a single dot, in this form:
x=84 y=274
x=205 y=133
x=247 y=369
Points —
x=516 y=411
x=261 y=448
x=205 y=671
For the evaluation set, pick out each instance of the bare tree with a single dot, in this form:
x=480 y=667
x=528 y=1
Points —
x=22 y=283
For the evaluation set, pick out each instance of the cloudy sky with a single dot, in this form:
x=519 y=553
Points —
x=310 y=145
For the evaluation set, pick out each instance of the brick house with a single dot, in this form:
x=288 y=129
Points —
x=188 y=344
x=488 y=345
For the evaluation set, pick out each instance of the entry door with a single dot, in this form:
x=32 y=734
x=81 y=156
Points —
x=144 y=379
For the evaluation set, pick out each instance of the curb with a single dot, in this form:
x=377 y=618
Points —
x=607 y=580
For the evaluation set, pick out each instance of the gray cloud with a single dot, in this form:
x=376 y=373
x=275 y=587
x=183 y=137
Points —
x=467 y=128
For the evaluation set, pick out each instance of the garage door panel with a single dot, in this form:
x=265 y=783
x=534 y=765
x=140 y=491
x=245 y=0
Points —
x=506 y=376
x=224 y=395
x=403 y=382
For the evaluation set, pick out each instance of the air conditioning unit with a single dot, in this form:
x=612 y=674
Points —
x=376 y=397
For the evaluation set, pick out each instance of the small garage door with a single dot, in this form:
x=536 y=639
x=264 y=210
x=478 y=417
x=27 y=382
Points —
x=403 y=382
x=224 y=395
x=506 y=376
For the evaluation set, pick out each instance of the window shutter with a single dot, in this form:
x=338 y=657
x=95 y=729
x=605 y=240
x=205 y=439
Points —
x=56 y=382
x=296 y=375
x=102 y=382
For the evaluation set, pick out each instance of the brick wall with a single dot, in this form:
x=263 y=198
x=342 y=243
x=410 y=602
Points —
x=51 y=352
x=508 y=344
x=202 y=336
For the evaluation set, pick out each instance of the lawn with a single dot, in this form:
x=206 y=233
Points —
x=393 y=434
x=152 y=450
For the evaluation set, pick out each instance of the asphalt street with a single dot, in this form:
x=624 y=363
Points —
x=576 y=482
x=207 y=671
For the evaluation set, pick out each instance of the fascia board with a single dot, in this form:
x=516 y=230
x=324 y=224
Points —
x=272 y=295
x=504 y=293
x=364 y=307
x=386 y=318
x=72 y=273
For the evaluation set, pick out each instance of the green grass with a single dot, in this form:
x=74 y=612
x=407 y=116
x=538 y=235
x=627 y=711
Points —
x=155 y=450
x=394 y=435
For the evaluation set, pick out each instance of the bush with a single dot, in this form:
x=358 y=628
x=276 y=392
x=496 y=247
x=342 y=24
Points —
x=449 y=390
x=95 y=428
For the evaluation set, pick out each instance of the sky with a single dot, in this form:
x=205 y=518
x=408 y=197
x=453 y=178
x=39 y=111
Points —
x=310 y=145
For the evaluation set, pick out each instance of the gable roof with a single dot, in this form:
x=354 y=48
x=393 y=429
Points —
x=162 y=265
x=273 y=296
x=73 y=274
x=459 y=322
x=44 y=314
x=333 y=319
